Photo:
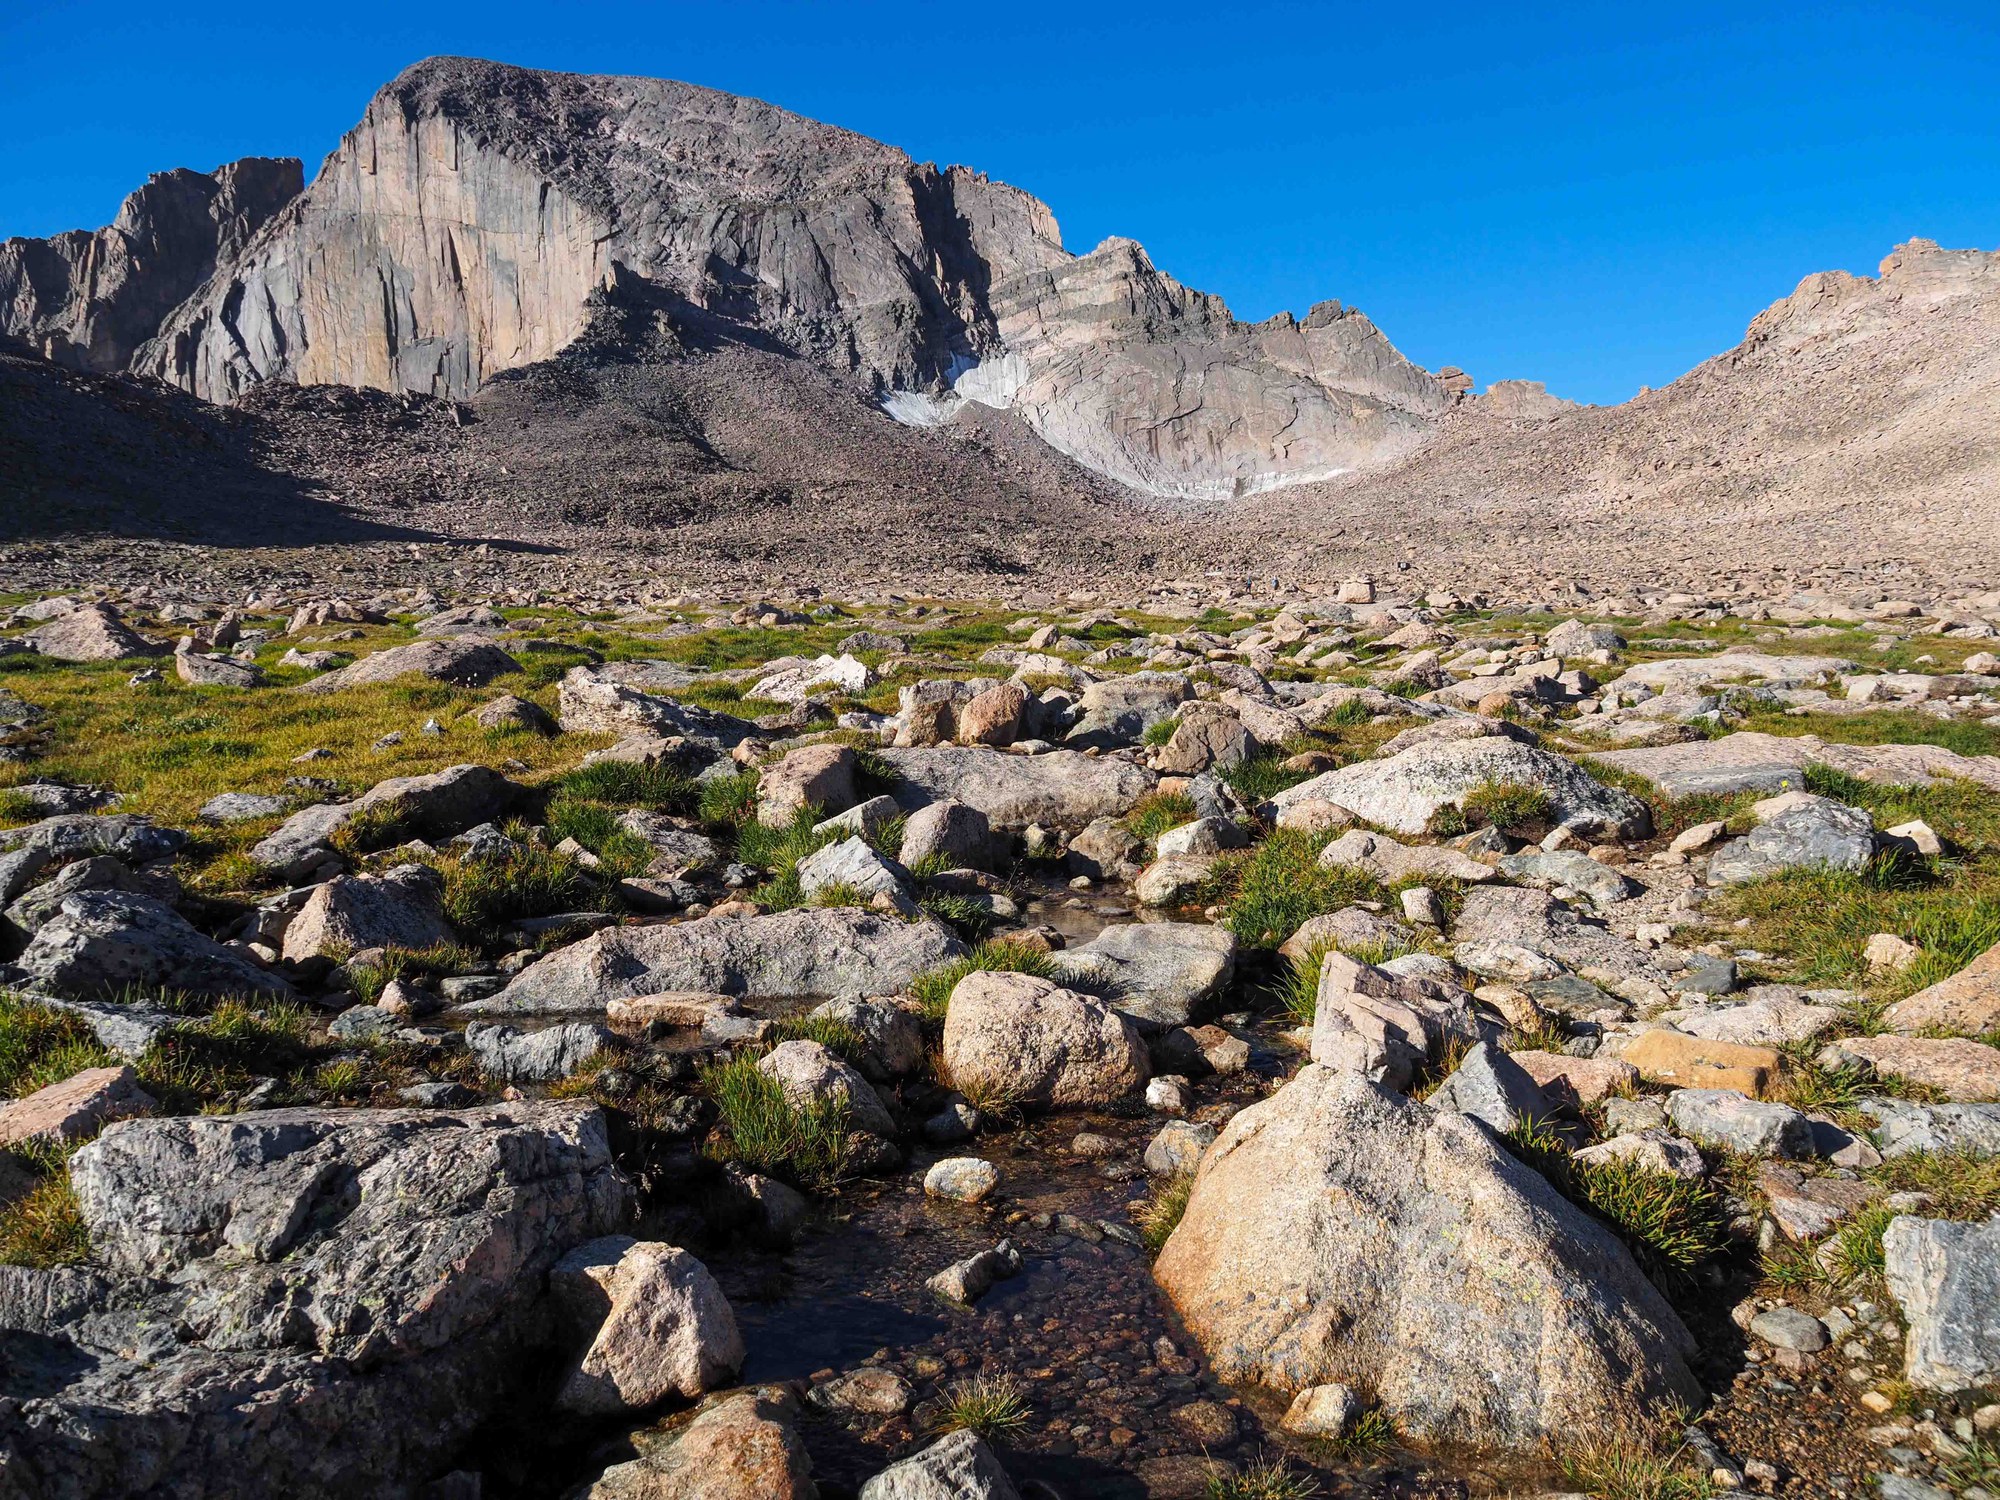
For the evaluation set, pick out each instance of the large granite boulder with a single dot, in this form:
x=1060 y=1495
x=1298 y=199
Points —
x=1338 y=1232
x=435 y=806
x=90 y=632
x=745 y=1446
x=1119 y=710
x=1402 y=792
x=1159 y=974
x=657 y=1325
x=591 y=700
x=273 y=1284
x=1816 y=834
x=1027 y=1040
x=1060 y=789
x=399 y=909
x=460 y=663
x=808 y=953
x=104 y=941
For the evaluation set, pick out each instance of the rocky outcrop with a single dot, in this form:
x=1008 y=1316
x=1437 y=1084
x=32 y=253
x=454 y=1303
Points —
x=479 y=216
x=1339 y=1232
x=332 y=1272
x=88 y=299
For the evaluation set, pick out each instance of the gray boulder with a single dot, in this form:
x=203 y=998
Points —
x=960 y=837
x=90 y=632
x=1383 y=1024
x=592 y=701
x=894 y=1036
x=1728 y=1121
x=1338 y=1227
x=1818 y=834
x=336 y=1271
x=1490 y=1086
x=1402 y=792
x=351 y=912
x=1026 y=1040
x=853 y=865
x=1158 y=974
x=1599 y=884
x=957 y=1467
x=1059 y=789
x=1119 y=710
x=811 y=1075
x=517 y=1056
x=435 y=806
x=460 y=663
x=103 y=941
x=135 y=839
x=1903 y=1128
x=241 y=807
x=1945 y=1276
x=804 y=954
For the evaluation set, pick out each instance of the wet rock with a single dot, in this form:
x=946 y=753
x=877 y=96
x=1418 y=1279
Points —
x=868 y=1391
x=1818 y=833
x=1177 y=1148
x=460 y=663
x=1402 y=792
x=1727 y=1121
x=1463 y=1262
x=800 y=954
x=1159 y=974
x=74 y=1109
x=962 y=1179
x=811 y=1075
x=1105 y=850
x=745 y=1446
x=517 y=1056
x=965 y=1282
x=1490 y=1086
x=1059 y=789
x=658 y=1325
x=351 y=913
x=1945 y=1277
x=101 y=942
x=957 y=1467
x=1029 y=1041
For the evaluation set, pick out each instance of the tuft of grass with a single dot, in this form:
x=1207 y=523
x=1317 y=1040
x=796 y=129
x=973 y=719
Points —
x=1272 y=889
x=762 y=1128
x=44 y=1227
x=40 y=1045
x=203 y=1060
x=933 y=988
x=1261 y=777
x=726 y=801
x=1159 y=1213
x=483 y=896
x=971 y=917
x=369 y=980
x=1508 y=805
x=1160 y=731
x=625 y=785
x=1672 y=1225
x=1625 y=1468
x=993 y=1406
x=1156 y=812
x=595 y=826
x=831 y=1033
x=1372 y=1433
x=1263 y=1478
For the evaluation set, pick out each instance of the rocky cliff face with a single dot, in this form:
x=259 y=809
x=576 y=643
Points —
x=88 y=298
x=461 y=229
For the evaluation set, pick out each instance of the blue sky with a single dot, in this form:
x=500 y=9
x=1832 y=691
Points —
x=1598 y=196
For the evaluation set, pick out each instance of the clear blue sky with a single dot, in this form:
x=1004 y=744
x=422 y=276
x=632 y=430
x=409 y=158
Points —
x=1600 y=196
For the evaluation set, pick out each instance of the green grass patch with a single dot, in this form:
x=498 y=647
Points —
x=625 y=785
x=1672 y=1225
x=482 y=897
x=760 y=1127
x=1156 y=812
x=1269 y=891
x=45 y=1227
